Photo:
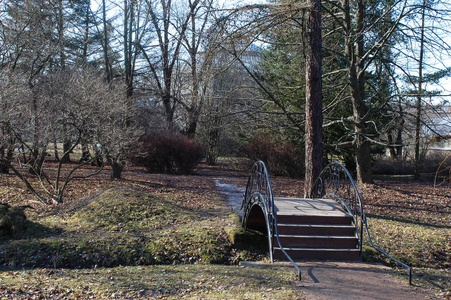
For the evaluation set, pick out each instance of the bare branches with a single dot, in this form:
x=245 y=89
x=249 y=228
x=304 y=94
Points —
x=74 y=102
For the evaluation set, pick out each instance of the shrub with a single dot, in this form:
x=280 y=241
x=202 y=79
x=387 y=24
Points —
x=434 y=162
x=280 y=158
x=160 y=153
x=13 y=221
x=389 y=166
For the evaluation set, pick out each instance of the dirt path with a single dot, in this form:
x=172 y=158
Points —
x=344 y=280
x=326 y=280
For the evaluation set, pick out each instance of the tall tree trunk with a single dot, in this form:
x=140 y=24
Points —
x=314 y=98
x=55 y=150
x=354 y=55
x=84 y=57
x=363 y=160
x=4 y=164
x=116 y=170
x=61 y=42
x=105 y=44
x=85 y=154
x=169 y=106
x=399 y=139
x=391 y=146
x=67 y=145
x=363 y=153
x=420 y=92
x=193 y=111
x=214 y=134
x=35 y=166
x=128 y=36
x=129 y=22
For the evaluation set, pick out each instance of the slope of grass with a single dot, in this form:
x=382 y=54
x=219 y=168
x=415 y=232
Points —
x=121 y=226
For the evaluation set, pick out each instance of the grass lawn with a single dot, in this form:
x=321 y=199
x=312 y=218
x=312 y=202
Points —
x=196 y=281
x=412 y=222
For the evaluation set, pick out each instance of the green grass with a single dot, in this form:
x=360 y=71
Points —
x=129 y=243
x=411 y=222
x=423 y=243
x=121 y=226
x=129 y=210
x=199 y=281
x=426 y=248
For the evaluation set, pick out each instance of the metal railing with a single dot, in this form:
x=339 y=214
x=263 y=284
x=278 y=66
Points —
x=336 y=182
x=259 y=192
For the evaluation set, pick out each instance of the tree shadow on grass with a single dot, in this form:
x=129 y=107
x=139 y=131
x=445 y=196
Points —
x=15 y=249
x=407 y=220
x=33 y=230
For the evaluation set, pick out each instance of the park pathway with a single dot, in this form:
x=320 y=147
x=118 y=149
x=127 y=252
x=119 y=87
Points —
x=332 y=280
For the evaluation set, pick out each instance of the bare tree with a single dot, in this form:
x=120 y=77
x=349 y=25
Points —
x=135 y=33
x=106 y=43
x=14 y=91
x=428 y=47
x=367 y=29
x=420 y=91
x=95 y=113
x=201 y=51
x=162 y=59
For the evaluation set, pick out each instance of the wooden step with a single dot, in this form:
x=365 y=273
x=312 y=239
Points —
x=351 y=254
x=316 y=229
x=314 y=219
x=324 y=241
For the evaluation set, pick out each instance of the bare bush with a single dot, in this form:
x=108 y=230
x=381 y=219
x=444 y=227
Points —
x=281 y=158
x=75 y=104
x=168 y=153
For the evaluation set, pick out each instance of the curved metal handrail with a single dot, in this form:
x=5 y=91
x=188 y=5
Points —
x=335 y=181
x=259 y=192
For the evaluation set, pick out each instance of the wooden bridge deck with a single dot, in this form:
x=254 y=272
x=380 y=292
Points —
x=308 y=207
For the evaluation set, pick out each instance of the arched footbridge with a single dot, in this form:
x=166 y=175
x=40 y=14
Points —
x=329 y=226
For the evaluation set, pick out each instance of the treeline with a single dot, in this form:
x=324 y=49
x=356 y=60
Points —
x=100 y=75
